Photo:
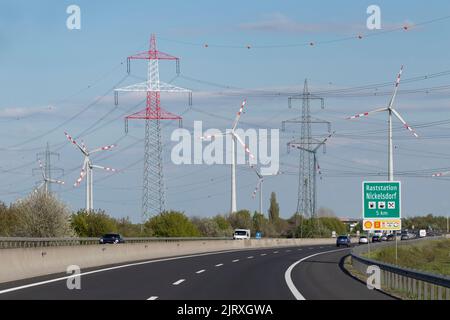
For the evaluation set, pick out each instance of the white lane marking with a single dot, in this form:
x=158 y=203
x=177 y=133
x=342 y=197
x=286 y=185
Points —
x=219 y=265
x=288 y=250
x=310 y=248
x=299 y=249
x=235 y=260
x=251 y=257
x=275 y=252
x=200 y=271
x=263 y=254
x=153 y=298
x=179 y=282
x=321 y=248
x=288 y=278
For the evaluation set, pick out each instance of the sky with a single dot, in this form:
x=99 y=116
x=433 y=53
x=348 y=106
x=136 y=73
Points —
x=54 y=79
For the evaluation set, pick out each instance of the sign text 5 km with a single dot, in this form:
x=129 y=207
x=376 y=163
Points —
x=381 y=200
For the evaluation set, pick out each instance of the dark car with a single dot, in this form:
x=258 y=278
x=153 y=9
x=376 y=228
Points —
x=111 y=238
x=391 y=237
x=343 y=241
x=376 y=239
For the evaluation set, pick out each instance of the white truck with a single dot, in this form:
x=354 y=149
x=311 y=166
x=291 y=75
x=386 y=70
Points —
x=241 y=234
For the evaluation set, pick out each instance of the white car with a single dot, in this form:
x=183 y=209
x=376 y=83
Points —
x=241 y=234
x=363 y=240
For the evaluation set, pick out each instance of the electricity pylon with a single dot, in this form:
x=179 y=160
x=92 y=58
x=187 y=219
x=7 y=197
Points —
x=46 y=169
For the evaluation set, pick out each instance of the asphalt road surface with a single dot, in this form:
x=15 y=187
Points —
x=308 y=272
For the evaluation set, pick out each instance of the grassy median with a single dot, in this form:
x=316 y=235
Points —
x=429 y=256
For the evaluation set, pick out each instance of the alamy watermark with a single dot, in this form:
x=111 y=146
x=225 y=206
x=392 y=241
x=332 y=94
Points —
x=215 y=147
x=374 y=20
x=73 y=21
x=374 y=278
x=74 y=281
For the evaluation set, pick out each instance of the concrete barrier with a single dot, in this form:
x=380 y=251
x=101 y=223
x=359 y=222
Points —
x=23 y=263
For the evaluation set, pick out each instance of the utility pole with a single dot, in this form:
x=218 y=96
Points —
x=306 y=194
x=153 y=199
x=46 y=169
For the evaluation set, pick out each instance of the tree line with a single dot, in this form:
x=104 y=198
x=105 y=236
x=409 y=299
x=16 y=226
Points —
x=42 y=215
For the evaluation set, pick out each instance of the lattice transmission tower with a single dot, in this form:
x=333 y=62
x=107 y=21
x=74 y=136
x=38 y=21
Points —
x=307 y=145
x=153 y=198
x=46 y=169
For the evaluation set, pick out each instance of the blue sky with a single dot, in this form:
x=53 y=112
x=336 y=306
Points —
x=49 y=74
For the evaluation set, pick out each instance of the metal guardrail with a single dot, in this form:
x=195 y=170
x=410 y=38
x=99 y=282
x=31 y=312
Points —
x=409 y=283
x=11 y=243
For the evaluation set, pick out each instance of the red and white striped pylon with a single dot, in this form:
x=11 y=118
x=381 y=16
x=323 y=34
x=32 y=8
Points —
x=234 y=138
x=86 y=169
x=391 y=111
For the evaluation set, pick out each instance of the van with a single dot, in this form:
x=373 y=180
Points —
x=241 y=234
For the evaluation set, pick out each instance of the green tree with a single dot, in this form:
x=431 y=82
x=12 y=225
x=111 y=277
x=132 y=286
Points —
x=42 y=215
x=171 y=224
x=9 y=221
x=274 y=209
x=127 y=229
x=240 y=220
x=93 y=224
x=209 y=227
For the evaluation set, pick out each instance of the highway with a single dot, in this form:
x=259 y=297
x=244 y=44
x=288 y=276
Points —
x=307 y=272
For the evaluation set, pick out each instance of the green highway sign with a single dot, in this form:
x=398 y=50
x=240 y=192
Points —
x=381 y=200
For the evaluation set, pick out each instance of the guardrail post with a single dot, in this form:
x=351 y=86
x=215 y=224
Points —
x=419 y=290
x=447 y=294
x=425 y=291
x=414 y=289
x=439 y=293
x=433 y=289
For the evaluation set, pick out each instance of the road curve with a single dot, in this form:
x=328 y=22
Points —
x=257 y=274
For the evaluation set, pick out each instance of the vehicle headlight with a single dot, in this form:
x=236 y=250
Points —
x=101 y=240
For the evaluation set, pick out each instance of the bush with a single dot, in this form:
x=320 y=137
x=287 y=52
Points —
x=240 y=220
x=93 y=224
x=171 y=224
x=42 y=215
x=210 y=228
x=9 y=221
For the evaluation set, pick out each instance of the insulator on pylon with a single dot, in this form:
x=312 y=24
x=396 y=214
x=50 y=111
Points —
x=178 y=66
x=288 y=148
x=126 y=125
x=283 y=126
x=290 y=103
x=329 y=127
x=190 y=98
x=322 y=103
x=324 y=148
x=128 y=65
x=116 y=98
x=180 y=123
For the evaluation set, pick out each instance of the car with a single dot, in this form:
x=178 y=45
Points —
x=343 y=241
x=384 y=238
x=241 y=234
x=363 y=240
x=111 y=238
x=376 y=238
x=391 y=237
x=408 y=236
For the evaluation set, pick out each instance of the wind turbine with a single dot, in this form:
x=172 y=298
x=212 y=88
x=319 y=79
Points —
x=46 y=180
x=259 y=187
x=234 y=138
x=390 y=109
x=316 y=165
x=86 y=170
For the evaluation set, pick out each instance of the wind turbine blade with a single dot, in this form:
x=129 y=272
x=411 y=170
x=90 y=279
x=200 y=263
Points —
x=104 y=148
x=213 y=136
x=365 y=114
x=75 y=143
x=397 y=83
x=82 y=175
x=247 y=150
x=104 y=168
x=407 y=126
x=42 y=169
x=324 y=141
x=56 y=181
x=238 y=116
x=441 y=174
x=258 y=185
